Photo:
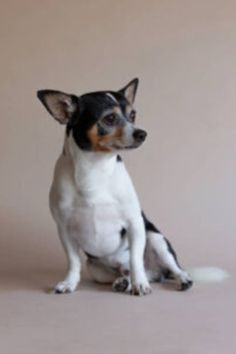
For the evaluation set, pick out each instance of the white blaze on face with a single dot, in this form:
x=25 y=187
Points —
x=127 y=136
x=126 y=139
x=112 y=97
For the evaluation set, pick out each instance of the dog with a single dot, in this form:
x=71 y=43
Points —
x=93 y=200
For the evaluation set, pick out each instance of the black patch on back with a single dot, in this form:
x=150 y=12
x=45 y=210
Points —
x=172 y=251
x=118 y=158
x=148 y=225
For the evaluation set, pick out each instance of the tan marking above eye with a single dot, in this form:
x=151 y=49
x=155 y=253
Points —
x=128 y=109
x=117 y=110
x=103 y=143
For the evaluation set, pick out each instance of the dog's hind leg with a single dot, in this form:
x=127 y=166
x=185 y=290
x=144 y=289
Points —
x=161 y=255
x=105 y=275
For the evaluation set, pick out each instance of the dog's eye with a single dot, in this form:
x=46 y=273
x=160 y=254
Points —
x=132 y=116
x=110 y=119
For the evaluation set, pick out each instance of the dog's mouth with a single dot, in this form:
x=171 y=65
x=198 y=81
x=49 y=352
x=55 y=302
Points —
x=127 y=147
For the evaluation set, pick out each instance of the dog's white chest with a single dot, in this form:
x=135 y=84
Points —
x=91 y=201
x=96 y=228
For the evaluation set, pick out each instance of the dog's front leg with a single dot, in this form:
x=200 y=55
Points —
x=137 y=240
x=69 y=284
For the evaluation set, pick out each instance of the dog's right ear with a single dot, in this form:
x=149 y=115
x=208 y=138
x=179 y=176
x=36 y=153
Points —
x=59 y=104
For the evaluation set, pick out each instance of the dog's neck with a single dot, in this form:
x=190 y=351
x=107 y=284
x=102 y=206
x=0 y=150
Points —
x=91 y=170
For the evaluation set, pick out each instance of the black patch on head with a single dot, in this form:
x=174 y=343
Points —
x=121 y=100
x=118 y=158
x=90 y=108
x=148 y=225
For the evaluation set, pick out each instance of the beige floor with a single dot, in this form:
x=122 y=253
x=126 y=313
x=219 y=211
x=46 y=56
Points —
x=95 y=320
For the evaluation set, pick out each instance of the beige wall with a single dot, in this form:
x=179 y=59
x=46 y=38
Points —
x=184 y=53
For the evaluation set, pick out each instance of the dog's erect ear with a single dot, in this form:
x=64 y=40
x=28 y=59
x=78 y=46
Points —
x=129 y=91
x=59 y=104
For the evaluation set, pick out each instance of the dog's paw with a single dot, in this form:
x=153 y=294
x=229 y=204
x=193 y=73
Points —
x=122 y=285
x=64 y=287
x=186 y=285
x=185 y=282
x=142 y=288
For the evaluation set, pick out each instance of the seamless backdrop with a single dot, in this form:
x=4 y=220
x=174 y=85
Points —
x=184 y=53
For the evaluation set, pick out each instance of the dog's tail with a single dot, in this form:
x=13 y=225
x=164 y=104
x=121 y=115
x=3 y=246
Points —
x=208 y=274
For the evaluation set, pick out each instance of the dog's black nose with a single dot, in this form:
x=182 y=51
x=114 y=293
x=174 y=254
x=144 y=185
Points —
x=139 y=135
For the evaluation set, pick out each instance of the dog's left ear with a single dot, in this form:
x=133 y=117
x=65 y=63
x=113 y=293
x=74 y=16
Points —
x=59 y=104
x=129 y=91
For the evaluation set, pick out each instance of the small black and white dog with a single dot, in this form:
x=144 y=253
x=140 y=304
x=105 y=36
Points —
x=93 y=200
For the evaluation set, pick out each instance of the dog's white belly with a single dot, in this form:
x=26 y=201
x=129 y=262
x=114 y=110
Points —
x=96 y=229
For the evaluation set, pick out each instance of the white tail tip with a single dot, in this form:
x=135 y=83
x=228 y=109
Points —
x=208 y=274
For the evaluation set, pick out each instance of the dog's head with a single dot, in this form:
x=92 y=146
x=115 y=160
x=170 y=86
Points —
x=99 y=121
